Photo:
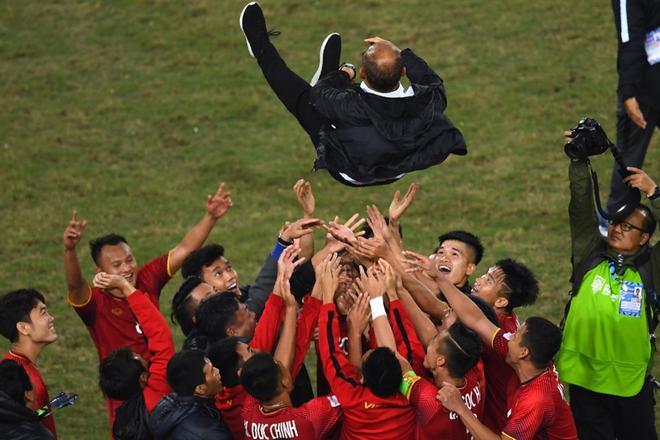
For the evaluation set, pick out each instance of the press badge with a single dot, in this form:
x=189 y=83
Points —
x=652 y=46
x=630 y=299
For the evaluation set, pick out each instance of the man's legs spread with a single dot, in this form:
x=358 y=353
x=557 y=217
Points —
x=291 y=89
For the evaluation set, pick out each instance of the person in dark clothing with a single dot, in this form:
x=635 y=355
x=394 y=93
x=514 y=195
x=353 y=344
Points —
x=370 y=134
x=17 y=420
x=188 y=413
x=638 y=64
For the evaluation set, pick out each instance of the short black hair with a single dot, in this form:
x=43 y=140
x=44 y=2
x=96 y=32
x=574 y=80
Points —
x=182 y=304
x=96 y=245
x=462 y=349
x=471 y=240
x=382 y=77
x=14 y=381
x=224 y=357
x=542 y=338
x=185 y=371
x=369 y=233
x=650 y=221
x=260 y=376
x=382 y=372
x=521 y=280
x=15 y=307
x=215 y=313
x=202 y=257
x=119 y=374
x=485 y=308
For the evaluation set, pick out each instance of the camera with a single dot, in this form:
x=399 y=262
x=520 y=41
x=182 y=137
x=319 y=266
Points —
x=588 y=139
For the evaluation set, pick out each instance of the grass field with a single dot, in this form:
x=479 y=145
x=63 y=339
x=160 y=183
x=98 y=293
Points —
x=132 y=111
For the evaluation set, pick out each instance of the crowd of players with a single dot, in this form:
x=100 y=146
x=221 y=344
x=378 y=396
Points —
x=406 y=347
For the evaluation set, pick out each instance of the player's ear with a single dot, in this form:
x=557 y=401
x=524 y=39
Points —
x=440 y=361
x=644 y=239
x=471 y=267
x=501 y=302
x=363 y=73
x=200 y=390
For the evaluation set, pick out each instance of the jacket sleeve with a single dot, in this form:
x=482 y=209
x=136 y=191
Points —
x=305 y=324
x=420 y=73
x=582 y=213
x=342 y=376
x=630 y=19
x=334 y=98
x=262 y=286
x=268 y=326
x=159 y=343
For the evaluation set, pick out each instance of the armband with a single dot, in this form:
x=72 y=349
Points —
x=409 y=379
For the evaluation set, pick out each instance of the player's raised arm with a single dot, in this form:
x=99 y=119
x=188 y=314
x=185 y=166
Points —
x=78 y=289
x=216 y=207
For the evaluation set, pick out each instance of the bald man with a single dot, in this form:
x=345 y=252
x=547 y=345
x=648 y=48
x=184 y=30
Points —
x=367 y=134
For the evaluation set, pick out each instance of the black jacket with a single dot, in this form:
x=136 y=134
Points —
x=19 y=423
x=637 y=78
x=371 y=138
x=187 y=418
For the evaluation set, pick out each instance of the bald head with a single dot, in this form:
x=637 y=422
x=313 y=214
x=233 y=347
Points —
x=382 y=66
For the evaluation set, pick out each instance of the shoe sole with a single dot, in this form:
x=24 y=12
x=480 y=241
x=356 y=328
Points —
x=240 y=22
x=317 y=74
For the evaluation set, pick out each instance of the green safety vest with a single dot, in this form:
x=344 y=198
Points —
x=605 y=346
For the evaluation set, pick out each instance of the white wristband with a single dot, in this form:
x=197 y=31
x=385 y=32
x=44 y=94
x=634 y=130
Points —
x=377 y=307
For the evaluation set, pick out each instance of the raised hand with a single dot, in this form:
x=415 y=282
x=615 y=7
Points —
x=74 y=231
x=420 y=263
x=327 y=274
x=391 y=279
x=117 y=283
x=346 y=232
x=299 y=228
x=371 y=282
x=286 y=264
x=218 y=204
x=398 y=205
x=450 y=397
x=377 y=222
x=303 y=190
x=641 y=181
x=359 y=315
x=370 y=249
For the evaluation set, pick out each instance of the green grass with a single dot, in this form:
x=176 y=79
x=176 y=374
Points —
x=132 y=111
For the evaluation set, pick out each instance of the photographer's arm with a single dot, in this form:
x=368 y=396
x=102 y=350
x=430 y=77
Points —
x=581 y=211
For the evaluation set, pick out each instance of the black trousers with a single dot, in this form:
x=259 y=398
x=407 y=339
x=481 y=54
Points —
x=605 y=417
x=633 y=141
x=291 y=90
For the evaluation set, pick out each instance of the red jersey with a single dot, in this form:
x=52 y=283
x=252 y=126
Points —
x=38 y=386
x=537 y=409
x=110 y=321
x=159 y=343
x=365 y=414
x=230 y=400
x=500 y=377
x=433 y=419
x=407 y=342
x=315 y=419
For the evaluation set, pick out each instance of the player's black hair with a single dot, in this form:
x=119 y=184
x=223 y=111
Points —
x=15 y=307
x=119 y=374
x=224 y=357
x=542 y=338
x=369 y=233
x=260 y=376
x=471 y=240
x=202 y=257
x=215 y=313
x=185 y=371
x=96 y=245
x=183 y=308
x=14 y=381
x=382 y=372
x=521 y=280
x=462 y=349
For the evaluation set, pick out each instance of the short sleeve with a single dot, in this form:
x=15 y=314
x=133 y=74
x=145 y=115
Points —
x=323 y=413
x=87 y=309
x=153 y=276
x=528 y=417
x=422 y=398
x=500 y=343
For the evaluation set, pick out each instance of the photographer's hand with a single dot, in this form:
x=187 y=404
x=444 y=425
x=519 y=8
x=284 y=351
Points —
x=634 y=113
x=641 y=181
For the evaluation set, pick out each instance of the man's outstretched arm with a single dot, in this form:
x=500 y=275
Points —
x=78 y=289
x=216 y=207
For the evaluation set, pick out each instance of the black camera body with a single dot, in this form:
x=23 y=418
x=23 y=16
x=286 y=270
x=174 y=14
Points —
x=587 y=139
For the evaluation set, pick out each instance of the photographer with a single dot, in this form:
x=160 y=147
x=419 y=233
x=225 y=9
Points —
x=606 y=354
